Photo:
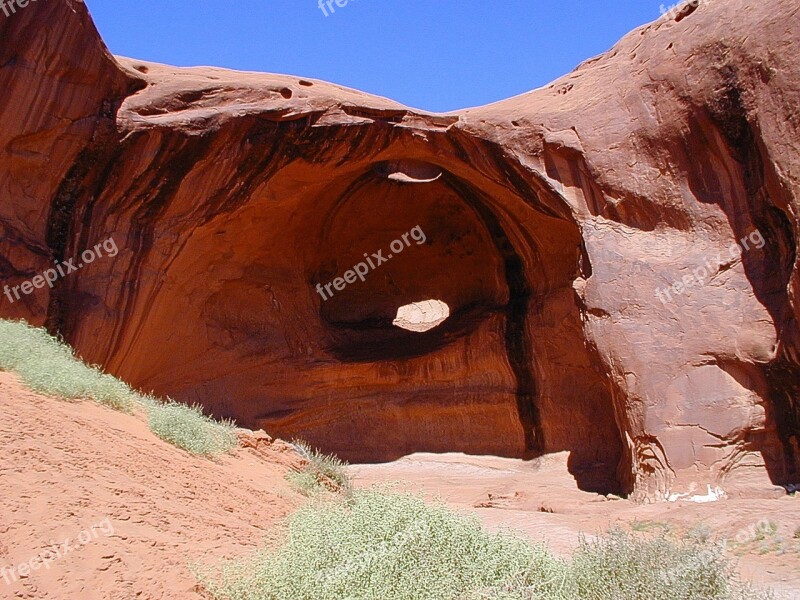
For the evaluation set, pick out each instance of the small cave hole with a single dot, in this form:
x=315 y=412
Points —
x=420 y=317
x=409 y=171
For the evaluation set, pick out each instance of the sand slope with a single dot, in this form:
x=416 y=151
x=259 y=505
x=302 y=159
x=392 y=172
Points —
x=67 y=467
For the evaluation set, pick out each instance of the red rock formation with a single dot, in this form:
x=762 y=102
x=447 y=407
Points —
x=61 y=91
x=550 y=221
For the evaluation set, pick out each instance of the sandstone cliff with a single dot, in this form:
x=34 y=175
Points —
x=618 y=250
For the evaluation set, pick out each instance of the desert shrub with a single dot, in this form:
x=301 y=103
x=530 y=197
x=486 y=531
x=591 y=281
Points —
x=377 y=545
x=305 y=483
x=48 y=366
x=622 y=565
x=765 y=530
x=700 y=533
x=321 y=473
x=188 y=428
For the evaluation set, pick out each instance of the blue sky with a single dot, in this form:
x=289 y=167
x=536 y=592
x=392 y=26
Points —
x=437 y=55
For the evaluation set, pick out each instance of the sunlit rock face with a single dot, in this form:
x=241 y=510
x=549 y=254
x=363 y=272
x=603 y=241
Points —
x=421 y=316
x=579 y=236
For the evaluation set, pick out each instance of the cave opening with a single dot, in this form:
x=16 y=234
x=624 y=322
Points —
x=478 y=371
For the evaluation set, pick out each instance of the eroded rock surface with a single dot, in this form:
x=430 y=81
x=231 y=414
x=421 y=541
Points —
x=565 y=229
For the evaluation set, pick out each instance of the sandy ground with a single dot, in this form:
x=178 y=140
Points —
x=104 y=510
x=134 y=510
x=540 y=499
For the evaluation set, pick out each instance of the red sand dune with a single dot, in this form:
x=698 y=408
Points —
x=68 y=466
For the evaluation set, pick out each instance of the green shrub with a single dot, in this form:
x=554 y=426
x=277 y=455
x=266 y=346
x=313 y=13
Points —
x=765 y=530
x=376 y=545
x=621 y=565
x=305 y=483
x=321 y=473
x=701 y=533
x=188 y=428
x=48 y=366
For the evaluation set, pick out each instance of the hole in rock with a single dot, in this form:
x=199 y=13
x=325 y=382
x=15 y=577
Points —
x=409 y=171
x=421 y=316
x=432 y=245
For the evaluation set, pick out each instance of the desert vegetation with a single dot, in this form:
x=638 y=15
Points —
x=320 y=473
x=188 y=428
x=49 y=366
x=376 y=543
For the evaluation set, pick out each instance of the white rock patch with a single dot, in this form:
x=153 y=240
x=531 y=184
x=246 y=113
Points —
x=405 y=178
x=421 y=316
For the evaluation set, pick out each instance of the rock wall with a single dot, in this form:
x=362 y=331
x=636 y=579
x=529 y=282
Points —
x=617 y=250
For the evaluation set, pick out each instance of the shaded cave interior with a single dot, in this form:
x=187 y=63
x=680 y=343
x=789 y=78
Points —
x=509 y=291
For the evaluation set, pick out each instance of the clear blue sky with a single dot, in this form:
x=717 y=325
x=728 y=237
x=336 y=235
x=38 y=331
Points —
x=437 y=55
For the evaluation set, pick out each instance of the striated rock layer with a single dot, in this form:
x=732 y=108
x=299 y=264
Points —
x=617 y=250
